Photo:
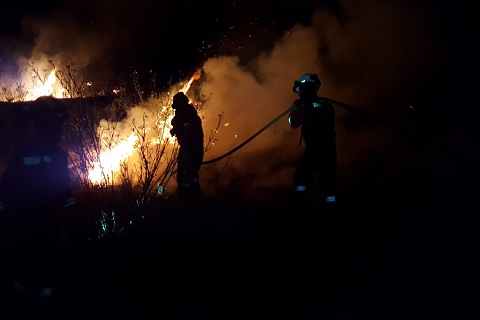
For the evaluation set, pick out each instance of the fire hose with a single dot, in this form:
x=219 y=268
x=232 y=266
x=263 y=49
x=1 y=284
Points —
x=281 y=115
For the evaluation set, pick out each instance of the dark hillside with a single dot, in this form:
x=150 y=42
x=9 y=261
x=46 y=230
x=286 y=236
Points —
x=385 y=253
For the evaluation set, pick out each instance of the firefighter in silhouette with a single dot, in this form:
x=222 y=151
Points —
x=316 y=119
x=187 y=127
x=34 y=190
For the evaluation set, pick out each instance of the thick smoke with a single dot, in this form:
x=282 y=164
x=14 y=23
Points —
x=369 y=55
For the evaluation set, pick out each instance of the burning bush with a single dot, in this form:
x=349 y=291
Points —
x=121 y=153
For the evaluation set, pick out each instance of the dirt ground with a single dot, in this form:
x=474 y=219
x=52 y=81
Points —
x=264 y=261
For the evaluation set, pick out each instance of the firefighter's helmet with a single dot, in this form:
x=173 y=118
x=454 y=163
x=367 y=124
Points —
x=179 y=99
x=307 y=83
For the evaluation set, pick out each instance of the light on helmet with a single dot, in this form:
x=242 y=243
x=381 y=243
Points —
x=308 y=82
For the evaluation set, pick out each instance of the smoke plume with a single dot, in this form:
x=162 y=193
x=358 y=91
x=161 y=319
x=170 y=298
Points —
x=370 y=55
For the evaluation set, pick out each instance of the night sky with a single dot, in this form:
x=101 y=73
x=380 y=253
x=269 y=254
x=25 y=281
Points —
x=146 y=34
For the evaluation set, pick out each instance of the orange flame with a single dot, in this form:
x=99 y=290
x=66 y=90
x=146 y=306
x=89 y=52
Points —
x=48 y=88
x=111 y=159
x=188 y=84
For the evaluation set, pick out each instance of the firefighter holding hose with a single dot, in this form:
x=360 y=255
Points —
x=187 y=127
x=315 y=116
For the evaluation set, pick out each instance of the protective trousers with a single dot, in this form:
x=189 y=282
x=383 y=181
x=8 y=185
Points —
x=189 y=163
x=320 y=161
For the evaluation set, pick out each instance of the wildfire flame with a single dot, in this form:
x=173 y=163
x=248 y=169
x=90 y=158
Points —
x=194 y=77
x=48 y=88
x=111 y=159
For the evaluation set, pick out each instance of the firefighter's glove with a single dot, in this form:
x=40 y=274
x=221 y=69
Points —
x=187 y=125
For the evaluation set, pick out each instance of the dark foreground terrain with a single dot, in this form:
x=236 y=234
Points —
x=266 y=261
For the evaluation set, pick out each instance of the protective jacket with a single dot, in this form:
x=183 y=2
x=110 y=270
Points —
x=187 y=126
x=316 y=116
